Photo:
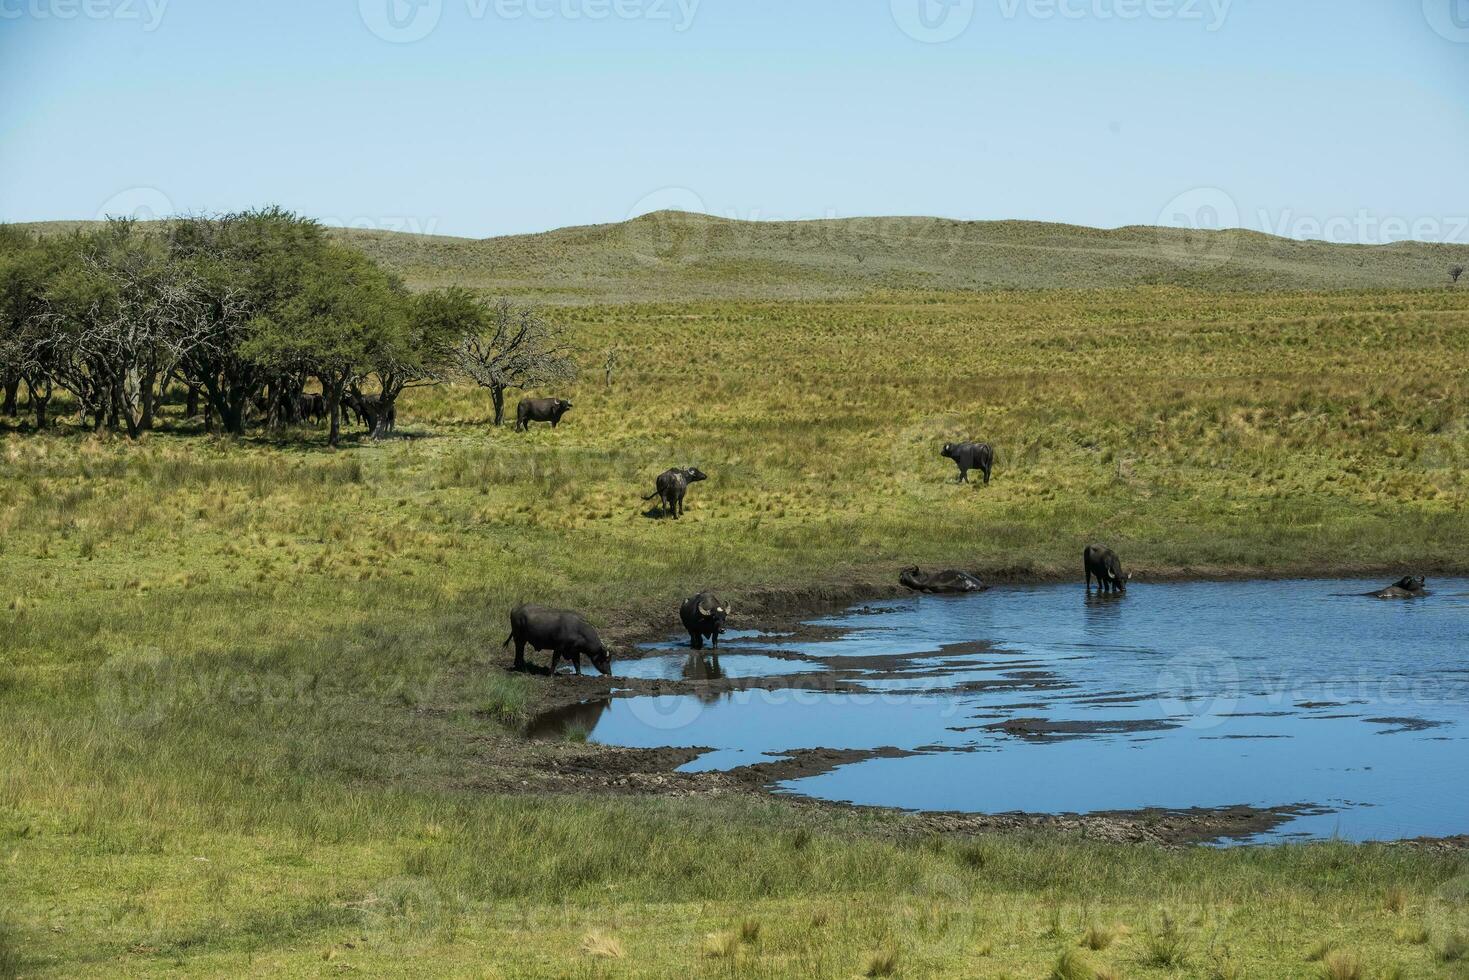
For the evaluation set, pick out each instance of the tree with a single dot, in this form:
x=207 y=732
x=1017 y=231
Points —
x=1455 y=273
x=241 y=270
x=344 y=319
x=422 y=351
x=513 y=347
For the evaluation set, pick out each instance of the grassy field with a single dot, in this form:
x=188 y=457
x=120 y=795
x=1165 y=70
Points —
x=252 y=695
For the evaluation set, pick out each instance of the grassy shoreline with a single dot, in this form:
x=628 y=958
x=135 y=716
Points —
x=255 y=722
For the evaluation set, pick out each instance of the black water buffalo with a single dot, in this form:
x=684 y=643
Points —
x=970 y=456
x=671 y=487
x=947 y=582
x=310 y=406
x=368 y=409
x=540 y=410
x=566 y=634
x=1407 y=587
x=1104 y=564
x=703 y=616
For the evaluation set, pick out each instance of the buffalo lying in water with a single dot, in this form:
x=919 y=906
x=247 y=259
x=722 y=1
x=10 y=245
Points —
x=703 y=616
x=1407 y=587
x=948 y=582
x=566 y=634
x=970 y=456
x=1105 y=565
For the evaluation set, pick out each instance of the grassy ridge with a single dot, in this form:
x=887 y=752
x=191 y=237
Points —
x=251 y=723
x=676 y=256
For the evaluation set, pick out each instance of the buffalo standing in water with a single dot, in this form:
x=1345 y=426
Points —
x=970 y=456
x=703 y=616
x=1104 y=564
x=540 y=410
x=947 y=582
x=566 y=634
x=671 y=487
x=1407 y=587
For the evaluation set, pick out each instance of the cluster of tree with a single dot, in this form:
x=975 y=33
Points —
x=243 y=311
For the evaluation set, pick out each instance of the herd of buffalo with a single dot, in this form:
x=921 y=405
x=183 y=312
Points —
x=568 y=636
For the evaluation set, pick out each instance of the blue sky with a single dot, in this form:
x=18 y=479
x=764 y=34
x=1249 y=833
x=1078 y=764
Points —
x=1345 y=119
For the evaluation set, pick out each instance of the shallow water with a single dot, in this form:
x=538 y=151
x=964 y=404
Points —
x=1042 y=699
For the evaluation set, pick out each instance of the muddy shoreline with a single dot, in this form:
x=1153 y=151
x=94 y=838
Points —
x=591 y=768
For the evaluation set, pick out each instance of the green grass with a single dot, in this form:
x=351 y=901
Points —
x=254 y=720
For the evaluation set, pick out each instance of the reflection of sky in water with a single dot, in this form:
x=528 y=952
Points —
x=1250 y=692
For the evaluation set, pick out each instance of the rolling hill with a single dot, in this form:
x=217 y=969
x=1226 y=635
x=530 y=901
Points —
x=670 y=255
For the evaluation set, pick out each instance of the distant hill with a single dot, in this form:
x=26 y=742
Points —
x=677 y=255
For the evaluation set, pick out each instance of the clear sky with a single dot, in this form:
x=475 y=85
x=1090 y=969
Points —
x=1345 y=119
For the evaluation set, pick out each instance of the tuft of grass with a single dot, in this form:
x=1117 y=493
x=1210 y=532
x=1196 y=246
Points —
x=1337 y=965
x=750 y=931
x=1455 y=948
x=1320 y=950
x=602 y=946
x=883 y=963
x=1413 y=935
x=1099 y=937
x=1395 y=900
x=1166 y=945
x=720 y=946
x=1073 y=965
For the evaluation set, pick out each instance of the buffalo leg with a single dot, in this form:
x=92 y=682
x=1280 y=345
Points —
x=986 y=476
x=576 y=662
x=696 y=641
x=963 y=475
x=555 y=661
x=715 y=639
x=519 y=654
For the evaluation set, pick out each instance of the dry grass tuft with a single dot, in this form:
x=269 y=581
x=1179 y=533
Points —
x=602 y=946
x=1320 y=951
x=1073 y=965
x=1099 y=937
x=1167 y=946
x=1340 y=966
x=720 y=946
x=883 y=963
x=750 y=931
x=1396 y=900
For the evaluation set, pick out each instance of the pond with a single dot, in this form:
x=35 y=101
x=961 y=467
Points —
x=1046 y=700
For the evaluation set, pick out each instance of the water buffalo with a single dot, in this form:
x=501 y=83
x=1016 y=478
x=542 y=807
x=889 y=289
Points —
x=1104 y=564
x=368 y=409
x=540 y=410
x=970 y=456
x=566 y=634
x=1407 y=587
x=310 y=406
x=671 y=487
x=947 y=582
x=703 y=616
